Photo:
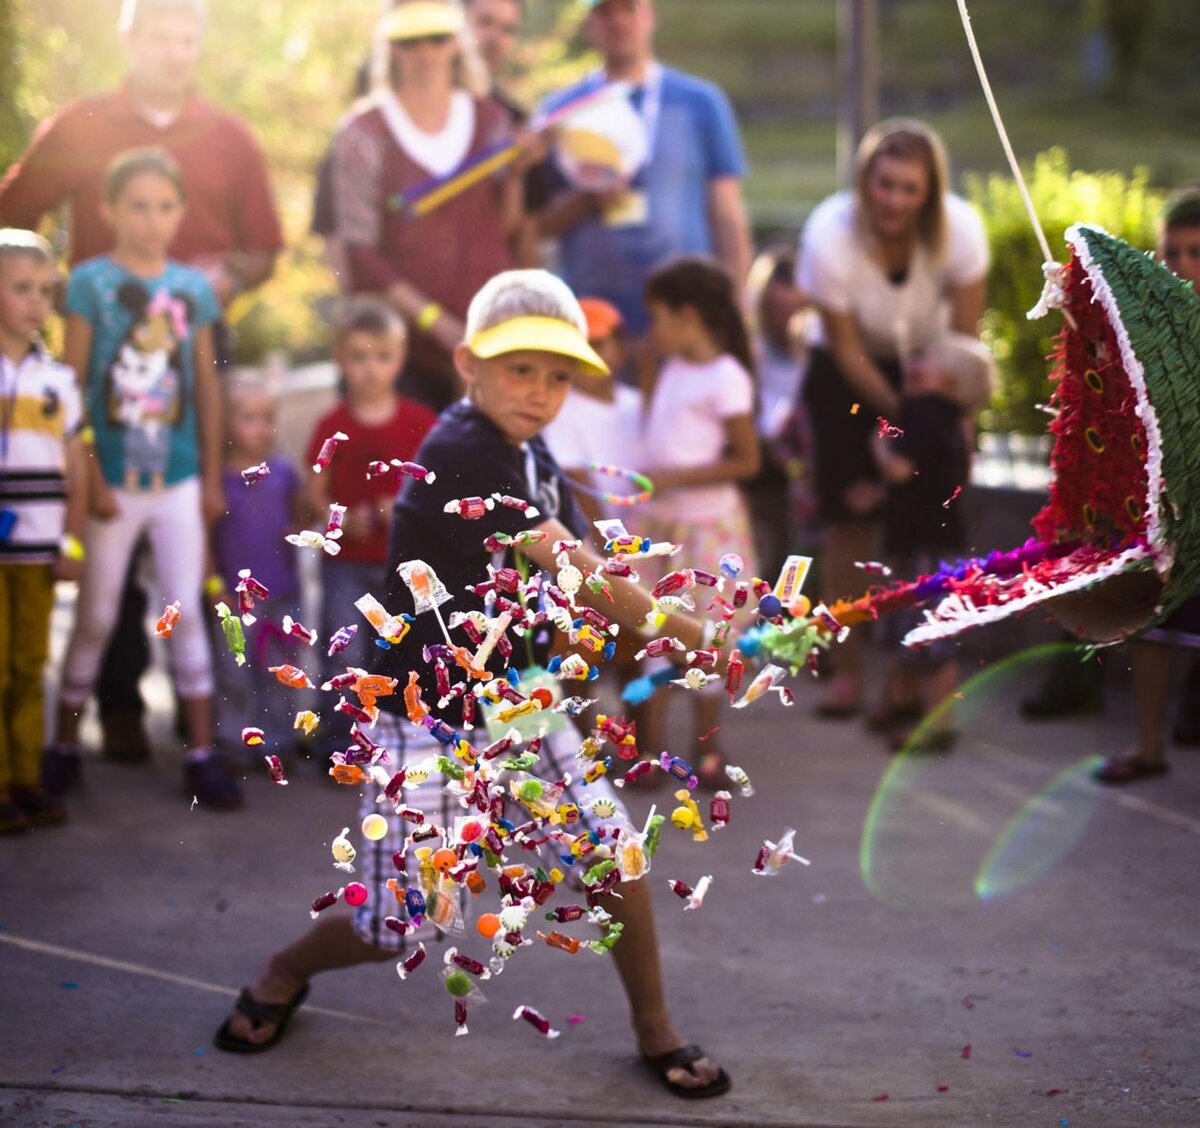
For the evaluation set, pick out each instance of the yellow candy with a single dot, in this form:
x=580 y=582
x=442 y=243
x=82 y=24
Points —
x=681 y=818
x=800 y=606
x=374 y=827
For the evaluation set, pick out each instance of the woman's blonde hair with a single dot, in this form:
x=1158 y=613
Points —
x=523 y=293
x=470 y=74
x=906 y=139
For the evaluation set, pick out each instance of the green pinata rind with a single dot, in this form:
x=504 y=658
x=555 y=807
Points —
x=1157 y=320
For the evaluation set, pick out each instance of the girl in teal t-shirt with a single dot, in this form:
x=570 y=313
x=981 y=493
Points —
x=139 y=335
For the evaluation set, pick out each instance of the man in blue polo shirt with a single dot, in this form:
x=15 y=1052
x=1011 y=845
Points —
x=686 y=198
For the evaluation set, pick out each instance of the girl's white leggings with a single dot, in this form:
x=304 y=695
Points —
x=171 y=518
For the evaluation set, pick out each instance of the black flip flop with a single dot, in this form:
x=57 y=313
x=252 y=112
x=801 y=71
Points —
x=888 y=717
x=1128 y=769
x=686 y=1056
x=259 y=1013
x=918 y=742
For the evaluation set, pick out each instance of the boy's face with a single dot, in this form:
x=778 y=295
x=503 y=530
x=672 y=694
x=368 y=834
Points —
x=252 y=426
x=1179 y=249
x=146 y=215
x=520 y=391
x=370 y=362
x=26 y=295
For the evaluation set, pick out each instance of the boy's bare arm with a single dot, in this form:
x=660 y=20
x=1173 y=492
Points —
x=209 y=418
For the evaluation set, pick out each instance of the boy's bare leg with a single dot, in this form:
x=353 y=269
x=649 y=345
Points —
x=636 y=956
x=331 y=943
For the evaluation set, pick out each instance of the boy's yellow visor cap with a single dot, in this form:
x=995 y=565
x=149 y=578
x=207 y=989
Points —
x=538 y=334
x=421 y=19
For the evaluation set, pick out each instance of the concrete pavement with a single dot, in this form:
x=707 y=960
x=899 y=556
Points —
x=993 y=899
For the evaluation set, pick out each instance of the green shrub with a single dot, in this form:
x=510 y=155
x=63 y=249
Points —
x=1123 y=205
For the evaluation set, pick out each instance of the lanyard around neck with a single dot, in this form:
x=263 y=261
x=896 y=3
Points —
x=650 y=109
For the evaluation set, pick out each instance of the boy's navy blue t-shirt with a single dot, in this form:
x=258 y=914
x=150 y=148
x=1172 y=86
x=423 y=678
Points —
x=471 y=458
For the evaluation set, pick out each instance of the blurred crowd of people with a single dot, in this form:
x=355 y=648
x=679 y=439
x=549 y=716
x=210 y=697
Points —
x=821 y=394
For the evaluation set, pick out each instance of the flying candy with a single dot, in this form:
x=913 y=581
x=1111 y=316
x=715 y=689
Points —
x=291 y=676
x=391 y=628
x=298 y=631
x=343 y=851
x=249 y=590
x=275 y=770
x=340 y=639
x=537 y=1020
x=165 y=626
x=325 y=455
x=413 y=470
x=310 y=538
x=766 y=681
x=253 y=474
x=234 y=638
x=469 y=508
x=517 y=503
x=333 y=526
x=772 y=856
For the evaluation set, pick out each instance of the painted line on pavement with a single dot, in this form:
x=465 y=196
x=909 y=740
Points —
x=45 y=949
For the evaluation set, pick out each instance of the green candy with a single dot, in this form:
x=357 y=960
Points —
x=234 y=638
x=458 y=983
x=521 y=763
x=598 y=871
x=653 y=835
x=530 y=790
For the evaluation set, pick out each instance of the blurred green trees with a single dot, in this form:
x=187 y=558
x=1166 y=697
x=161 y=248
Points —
x=288 y=67
x=1124 y=205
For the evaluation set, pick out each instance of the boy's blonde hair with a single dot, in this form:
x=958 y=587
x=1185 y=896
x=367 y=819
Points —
x=523 y=293
x=249 y=382
x=16 y=241
x=969 y=367
x=368 y=315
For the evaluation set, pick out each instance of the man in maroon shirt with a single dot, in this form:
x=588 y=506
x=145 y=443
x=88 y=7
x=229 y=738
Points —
x=231 y=231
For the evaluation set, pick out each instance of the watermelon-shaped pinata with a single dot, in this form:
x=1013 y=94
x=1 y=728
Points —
x=1117 y=547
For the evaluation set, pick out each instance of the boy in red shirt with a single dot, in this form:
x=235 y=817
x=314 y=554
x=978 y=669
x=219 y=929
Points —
x=380 y=425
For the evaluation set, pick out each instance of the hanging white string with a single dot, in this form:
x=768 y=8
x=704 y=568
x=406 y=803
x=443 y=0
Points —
x=1052 y=295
